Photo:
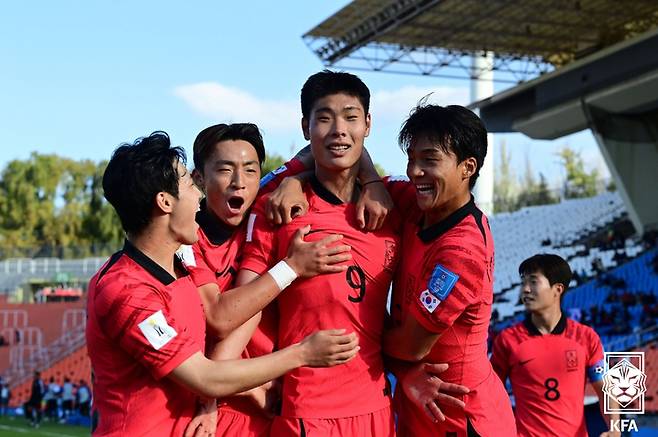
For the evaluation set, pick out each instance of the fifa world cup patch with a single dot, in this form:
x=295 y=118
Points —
x=156 y=330
x=442 y=282
x=429 y=301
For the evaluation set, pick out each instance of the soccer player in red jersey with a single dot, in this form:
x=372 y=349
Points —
x=356 y=400
x=548 y=357
x=228 y=161
x=146 y=328
x=443 y=290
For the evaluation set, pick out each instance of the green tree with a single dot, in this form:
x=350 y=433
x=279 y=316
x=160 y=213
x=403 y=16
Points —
x=101 y=224
x=534 y=192
x=272 y=162
x=53 y=206
x=543 y=193
x=505 y=185
x=579 y=182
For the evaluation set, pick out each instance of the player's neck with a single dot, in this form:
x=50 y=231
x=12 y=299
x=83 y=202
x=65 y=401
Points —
x=435 y=215
x=546 y=320
x=157 y=247
x=340 y=183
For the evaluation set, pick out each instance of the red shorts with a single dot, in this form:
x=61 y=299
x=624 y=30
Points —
x=234 y=424
x=379 y=424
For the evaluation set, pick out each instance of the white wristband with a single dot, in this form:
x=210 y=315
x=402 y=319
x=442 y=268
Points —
x=282 y=274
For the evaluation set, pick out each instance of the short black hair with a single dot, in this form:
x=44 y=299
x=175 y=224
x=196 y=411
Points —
x=452 y=128
x=136 y=173
x=554 y=267
x=329 y=82
x=207 y=138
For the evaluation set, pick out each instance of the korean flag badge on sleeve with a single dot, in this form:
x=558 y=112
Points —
x=439 y=286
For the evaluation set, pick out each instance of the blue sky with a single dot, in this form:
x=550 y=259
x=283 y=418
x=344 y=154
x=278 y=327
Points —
x=77 y=78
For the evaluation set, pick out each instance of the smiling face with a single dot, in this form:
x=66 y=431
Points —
x=537 y=294
x=230 y=179
x=182 y=216
x=441 y=182
x=337 y=126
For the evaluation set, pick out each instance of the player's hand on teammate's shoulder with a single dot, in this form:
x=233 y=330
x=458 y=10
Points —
x=329 y=348
x=373 y=205
x=422 y=385
x=313 y=258
x=286 y=202
x=204 y=423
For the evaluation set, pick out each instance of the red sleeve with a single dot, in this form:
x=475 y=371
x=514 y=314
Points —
x=452 y=280
x=139 y=319
x=595 y=349
x=595 y=362
x=500 y=357
x=200 y=272
x=260 y=245
x=271 y=181
x=402 y=192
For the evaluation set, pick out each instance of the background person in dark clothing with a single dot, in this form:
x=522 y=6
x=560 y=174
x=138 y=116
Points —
x=33 y=405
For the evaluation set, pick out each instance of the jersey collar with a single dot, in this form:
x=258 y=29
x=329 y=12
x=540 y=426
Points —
x=151 y=266
x=437 y=229
x=323 y=193
x=216 y=230
x=532 y=329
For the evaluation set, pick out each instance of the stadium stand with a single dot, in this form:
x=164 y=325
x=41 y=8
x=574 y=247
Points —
x=75 y=365
x=621 y=304
x=543 y=228
x=13 y=318
x=651 y=370
x=39 y=335
x=16 y=272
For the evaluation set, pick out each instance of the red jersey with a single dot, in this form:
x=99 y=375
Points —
x=215 y=257
x=217 y=252
x=445 y=282
x=142 y=324
x=354 y=300
x=548 y=374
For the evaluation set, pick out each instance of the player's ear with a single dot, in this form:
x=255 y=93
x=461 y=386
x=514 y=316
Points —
x=559 y=288
x=368 y=124
x=469 y=167
x=305 y=130
x=164 y=202
x=197 y=177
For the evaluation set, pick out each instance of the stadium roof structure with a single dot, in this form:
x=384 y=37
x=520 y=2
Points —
x=438 y=37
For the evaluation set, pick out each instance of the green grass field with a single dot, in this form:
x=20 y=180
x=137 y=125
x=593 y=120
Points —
x=19 y=427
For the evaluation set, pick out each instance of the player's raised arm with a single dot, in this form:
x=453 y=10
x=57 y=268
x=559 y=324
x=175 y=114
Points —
x=226 y=311
x=374 y=202
x=288 y=201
